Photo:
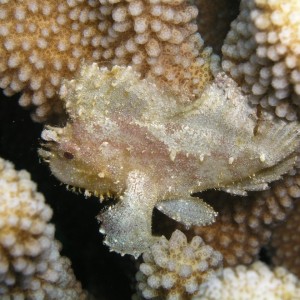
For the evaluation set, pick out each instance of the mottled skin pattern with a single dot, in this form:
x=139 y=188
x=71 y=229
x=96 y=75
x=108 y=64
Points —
x=150 y=148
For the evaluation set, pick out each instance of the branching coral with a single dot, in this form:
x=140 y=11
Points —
x=42 y=42
x=244 y=225
x=255 y=282
x=154 y=130
x=232 y=233
x=159 y=39
x=30 y=264
x=285 y=244
x=163 y=274
x=262 y=52
x=174 y=269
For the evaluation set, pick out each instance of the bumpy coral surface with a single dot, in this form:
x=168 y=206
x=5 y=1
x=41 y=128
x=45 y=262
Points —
x=244 y=224
x=30 y=264
x=42 y=42
x=255 y=282
x=233 y=234
x=285 y=244
x=151 y=130
x=159 y=39
x=262 y=53
x=174 y=269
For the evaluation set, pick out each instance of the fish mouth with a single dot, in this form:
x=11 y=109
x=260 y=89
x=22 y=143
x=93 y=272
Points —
x=50 y=137
x=45 y=154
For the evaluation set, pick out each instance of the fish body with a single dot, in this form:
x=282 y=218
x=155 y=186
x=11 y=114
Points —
x=151 y=147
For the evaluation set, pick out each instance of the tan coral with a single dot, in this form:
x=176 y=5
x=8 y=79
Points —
x=231 y=233
x=159 y=39
x=174 y=269
x=262 y=52
x=255 y=282
x=42 y=42
x=30 y=264
x=271 y=207
x=244 y=225
x=285 y=243
x=214 y=20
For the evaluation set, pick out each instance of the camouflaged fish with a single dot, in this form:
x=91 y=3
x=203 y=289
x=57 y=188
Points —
x=151 y=148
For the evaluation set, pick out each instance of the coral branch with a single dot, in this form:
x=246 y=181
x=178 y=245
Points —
x=174 y=269
x=254 y=282
x=30 y=264
x=262 y=53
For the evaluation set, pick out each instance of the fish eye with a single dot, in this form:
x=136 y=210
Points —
x=68 y=155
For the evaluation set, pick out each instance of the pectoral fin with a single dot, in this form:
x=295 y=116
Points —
x=191 y=211
x=127 y=225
